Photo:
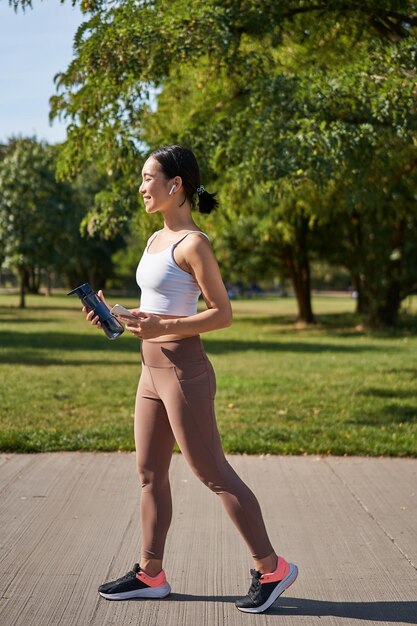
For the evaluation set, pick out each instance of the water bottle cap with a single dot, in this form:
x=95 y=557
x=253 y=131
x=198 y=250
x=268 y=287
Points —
x=82 y=290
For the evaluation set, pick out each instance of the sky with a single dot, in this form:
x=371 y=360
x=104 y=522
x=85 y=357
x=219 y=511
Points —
x=34 y=46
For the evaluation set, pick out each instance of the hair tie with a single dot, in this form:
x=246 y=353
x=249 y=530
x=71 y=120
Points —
x=200 y=190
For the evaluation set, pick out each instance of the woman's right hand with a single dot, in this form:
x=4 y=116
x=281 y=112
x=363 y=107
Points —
x=90 y=317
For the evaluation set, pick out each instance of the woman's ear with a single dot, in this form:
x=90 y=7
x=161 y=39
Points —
x=175 y=185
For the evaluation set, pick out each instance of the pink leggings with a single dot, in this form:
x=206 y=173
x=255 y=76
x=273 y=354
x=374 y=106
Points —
x=175 y=402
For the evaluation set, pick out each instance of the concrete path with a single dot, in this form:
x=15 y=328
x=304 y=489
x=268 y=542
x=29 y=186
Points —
x=68 y=522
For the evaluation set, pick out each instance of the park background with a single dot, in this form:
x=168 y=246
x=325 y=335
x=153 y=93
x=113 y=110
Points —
x=303 y=118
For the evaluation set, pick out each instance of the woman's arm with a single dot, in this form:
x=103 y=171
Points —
x=196 y=253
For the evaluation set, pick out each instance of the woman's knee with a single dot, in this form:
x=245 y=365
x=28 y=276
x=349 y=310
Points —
x=151 y=479
x=145 y=475
x=218 y=476
x=214 y=481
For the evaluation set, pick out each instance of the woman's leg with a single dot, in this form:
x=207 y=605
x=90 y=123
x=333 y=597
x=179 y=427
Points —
x=184 y=380
x=154 y=443
x=187 y=390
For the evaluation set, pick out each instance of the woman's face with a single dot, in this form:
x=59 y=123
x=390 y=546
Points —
x=155 y=187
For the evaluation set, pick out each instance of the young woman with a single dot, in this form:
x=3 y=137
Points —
x=175 y=397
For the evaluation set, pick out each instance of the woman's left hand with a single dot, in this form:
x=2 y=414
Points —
x=147 y=326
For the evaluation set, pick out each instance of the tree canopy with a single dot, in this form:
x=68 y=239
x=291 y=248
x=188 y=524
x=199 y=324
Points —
x=33 y=208
x=302 y=113
x=40 y=218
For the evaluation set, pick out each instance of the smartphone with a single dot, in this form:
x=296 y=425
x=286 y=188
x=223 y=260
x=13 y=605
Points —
x=120 y=311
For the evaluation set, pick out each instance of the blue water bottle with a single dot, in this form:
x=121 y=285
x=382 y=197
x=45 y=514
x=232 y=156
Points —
x=92 y=302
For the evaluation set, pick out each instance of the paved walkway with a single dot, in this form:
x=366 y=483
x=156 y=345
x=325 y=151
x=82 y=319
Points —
x=69 y=522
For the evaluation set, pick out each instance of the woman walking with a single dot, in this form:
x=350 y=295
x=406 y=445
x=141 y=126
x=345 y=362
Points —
x=175 y=396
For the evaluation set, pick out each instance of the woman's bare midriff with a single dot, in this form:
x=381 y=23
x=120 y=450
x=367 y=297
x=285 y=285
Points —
x=172 y=337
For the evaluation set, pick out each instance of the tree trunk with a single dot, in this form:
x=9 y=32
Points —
x=23 y=281
x=33 y=280
x=298 y=265
x=386 y=313
x=362 y=307
x=48 y=283
x=387 y=304
x=362 y=300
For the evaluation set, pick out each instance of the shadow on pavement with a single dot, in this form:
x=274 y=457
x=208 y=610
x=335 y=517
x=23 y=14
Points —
x=395 y=612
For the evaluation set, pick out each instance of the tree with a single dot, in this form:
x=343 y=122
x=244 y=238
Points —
x=40 y=219
x=310 y=95
x=33 y=209
x=264 y=228
x=377 y=244
x=88 y=254
x=336 y=129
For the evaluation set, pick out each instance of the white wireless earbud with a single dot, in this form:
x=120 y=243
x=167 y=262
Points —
x=171 y=191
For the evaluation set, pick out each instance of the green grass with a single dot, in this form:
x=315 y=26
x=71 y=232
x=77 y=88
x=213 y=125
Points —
x=332 y=388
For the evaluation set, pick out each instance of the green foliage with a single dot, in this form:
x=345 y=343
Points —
x=85 y=5
x=33 y=207
x=297 y=111
x=40 y=217
x=376 y=242
x=88 y=253
x=307 y=143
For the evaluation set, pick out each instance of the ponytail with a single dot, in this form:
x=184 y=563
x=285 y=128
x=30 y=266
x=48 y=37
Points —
x=207 y=202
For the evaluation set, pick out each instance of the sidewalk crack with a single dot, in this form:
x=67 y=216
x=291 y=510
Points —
x=369 y=514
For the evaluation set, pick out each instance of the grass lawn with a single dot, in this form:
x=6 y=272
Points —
x=332 y=388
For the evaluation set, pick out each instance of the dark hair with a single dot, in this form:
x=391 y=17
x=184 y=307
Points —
x=180 y=161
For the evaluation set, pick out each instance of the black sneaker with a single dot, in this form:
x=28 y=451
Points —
x=266 y=588
x=136 y=584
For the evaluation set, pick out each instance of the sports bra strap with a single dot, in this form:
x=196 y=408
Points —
x=200 y=232
x=175 y=244
x=152 y=239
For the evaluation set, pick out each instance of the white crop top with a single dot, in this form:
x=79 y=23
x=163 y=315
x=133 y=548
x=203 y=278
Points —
x=166 y=289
